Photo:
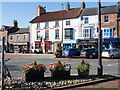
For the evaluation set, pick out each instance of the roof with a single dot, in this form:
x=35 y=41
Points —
x=57 y=15
x=22 y=30
x=104 y=10
x=19 y=30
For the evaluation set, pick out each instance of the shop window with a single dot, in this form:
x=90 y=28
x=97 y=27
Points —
x=57 y=34
x=39 y=46
x=56 y=23
x=108 y=32
x=49 y=46
x=67 y=23
x=11 y=37
x=69 y=34
x=38 y=35
x=106 y=19
x=36 y=45
x=46 y=35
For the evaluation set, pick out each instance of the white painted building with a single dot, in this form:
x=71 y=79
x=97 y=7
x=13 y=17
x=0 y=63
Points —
x=46 y=29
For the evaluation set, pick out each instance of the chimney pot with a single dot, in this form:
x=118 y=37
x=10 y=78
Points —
x=40 y=10
x=15 y=24
x=68 y=6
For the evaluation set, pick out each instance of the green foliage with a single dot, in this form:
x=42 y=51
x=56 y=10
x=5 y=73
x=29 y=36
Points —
x=83 y=67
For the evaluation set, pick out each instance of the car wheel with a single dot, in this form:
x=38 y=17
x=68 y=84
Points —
x=72 y=56
x=90 y=56
x=57 y=56
x=112 y=56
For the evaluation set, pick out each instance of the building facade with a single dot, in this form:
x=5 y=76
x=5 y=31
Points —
x=16 y=39
x=50 y=31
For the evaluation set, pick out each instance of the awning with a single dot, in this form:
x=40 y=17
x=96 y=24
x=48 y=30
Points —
x=70 y=41
x=111 y=40
x=87 y=41
x=17 y=43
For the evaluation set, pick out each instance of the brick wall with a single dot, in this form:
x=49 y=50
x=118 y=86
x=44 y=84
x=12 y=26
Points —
x=112 y=22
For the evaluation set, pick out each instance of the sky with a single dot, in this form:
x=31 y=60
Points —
x=24 y=12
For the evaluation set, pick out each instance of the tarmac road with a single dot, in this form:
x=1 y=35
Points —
x=17 y=61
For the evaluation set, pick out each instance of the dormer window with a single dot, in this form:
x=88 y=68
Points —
x=46 y=24
x=86 y=20
x=56 y=23
x=106 y=19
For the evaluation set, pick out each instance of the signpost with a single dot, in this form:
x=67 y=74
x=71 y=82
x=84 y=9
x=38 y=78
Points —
x=2 y=34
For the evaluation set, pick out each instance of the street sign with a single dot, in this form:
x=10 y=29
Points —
x=2 y=34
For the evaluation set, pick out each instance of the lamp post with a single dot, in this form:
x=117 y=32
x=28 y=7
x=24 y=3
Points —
x=62 y=30
x=100 y=67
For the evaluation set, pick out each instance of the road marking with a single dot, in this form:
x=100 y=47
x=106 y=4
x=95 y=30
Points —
x=112 y=64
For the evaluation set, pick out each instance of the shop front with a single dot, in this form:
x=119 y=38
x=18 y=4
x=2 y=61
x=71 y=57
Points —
x=87 y=43
x=109 y=43
x=69 y=44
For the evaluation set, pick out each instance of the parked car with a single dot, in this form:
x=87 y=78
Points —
x=58 y=53
x=38 y=51
x=89 y=52
x=72 y=52
x=111 y=53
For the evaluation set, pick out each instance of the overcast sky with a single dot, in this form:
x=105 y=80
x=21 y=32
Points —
x=24 y=12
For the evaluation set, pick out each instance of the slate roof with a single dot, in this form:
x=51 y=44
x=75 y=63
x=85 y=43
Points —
x=57 y=15
x=104 y=10
x=19 y=30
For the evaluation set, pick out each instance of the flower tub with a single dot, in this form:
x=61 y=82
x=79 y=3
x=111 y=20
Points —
x=34 y=72
x=60 y=70
x=83 y=69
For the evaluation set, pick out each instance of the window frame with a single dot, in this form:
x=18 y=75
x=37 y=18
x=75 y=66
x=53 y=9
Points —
x=86 y=33
x=86 y=20
x=108 y=33
x=25 y=35
x=67 y=23
x=38 y=25
x=47 y=38
x=38 y=37
x=10 y=37
x=17 y=37
x=68 y=34
x=56 y=34
x=56 y=23
x=106 y=19
x=46 y=24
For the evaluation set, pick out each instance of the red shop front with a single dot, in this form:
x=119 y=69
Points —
x=38 y=45
x=47 y=46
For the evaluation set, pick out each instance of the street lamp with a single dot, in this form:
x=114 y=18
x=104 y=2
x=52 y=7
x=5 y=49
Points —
x=62 y=29
x=100 y=67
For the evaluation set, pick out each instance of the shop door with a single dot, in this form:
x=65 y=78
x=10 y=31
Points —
x=46 y=47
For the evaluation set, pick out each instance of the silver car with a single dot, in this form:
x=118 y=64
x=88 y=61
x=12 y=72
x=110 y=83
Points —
x=111 y=53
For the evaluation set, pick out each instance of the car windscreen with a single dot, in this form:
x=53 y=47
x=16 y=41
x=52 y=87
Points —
x=84 y=50
x=106 y=51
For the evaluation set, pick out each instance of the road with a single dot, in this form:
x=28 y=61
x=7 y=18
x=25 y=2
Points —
x=16 y=62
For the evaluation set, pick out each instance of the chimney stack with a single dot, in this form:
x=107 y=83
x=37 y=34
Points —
x=82 y=5
x=68 y=6
x=15 y=24
x=40 y=10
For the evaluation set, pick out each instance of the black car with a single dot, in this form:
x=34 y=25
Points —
x=89 y=52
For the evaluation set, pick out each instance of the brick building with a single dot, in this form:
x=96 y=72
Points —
x=17 y=39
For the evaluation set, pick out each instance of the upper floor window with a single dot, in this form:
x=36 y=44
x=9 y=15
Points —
x=108 y=32
x=24 y=36
x=56 y=23
x=67 y=23
x=106 y=19
x=38 y=35
x=46 y=24
x=69 y=34
x=46 y=35
x=86 y=20
x=11 y=37
x=38 y=25
x=86 y=33
x=17 y=37
x=57 y=34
